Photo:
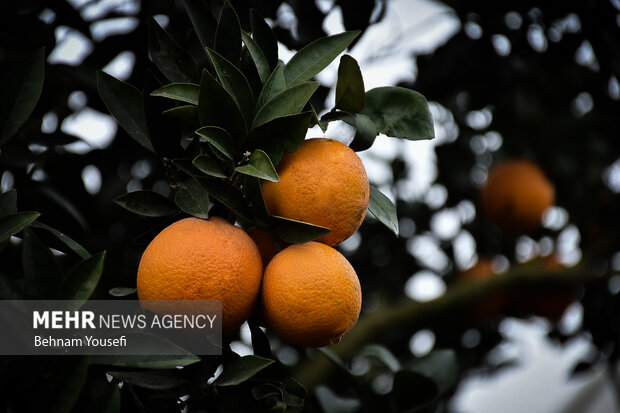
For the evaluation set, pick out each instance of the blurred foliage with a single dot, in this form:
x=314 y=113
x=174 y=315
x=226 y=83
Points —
x=520 y=79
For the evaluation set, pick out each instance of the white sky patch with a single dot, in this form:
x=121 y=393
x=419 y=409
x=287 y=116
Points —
x=424 y=286
x=72 y=47
x=121 y=66
x=110 y=27
x=95 y=129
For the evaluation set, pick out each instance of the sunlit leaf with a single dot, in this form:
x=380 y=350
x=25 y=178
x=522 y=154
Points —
x=316 y=56
x=288 y=102
x=184 y=92
x=297 y=232
x=170 y=58
x=20 y=91
x=147 y=203
x=399 y=112
x=259 y=166
x=125 y=104
x=383 y=209
x=350 y=93
x=239 y=370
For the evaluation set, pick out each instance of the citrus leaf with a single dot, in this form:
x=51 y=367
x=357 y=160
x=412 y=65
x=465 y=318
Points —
x=316 y=56
x=297 y=232
x=154 y=380
x=240 y=370
x=441 y=366
x=185 y=92
x=185 y=112
x=288 y=102
x=121 y=291
x=9 y=289
x=280 y=135
x=399 y=112
x=365 y=131
x=170 y=58
x=218 y=108
x=74 y=246
x=265 y=390
x=125 y=104
x=147 y=203
x=20 y=90
x=203 y=21
x=254 y=196
x=294 y=393
x=228 y=34
x=8 y=203
x=186 y=165
x=226 y=194
x=350 y=93
x=208 y=166
x=220 y=139
x=259 y=166
x=234 y=82
x=383 y=209
x=81 y=281
x=260 y=341
x=42 y=274
x=193 y=199
x=382 y=354
x=274 y=85
x=164 y=355
x=13 y=223
x=260 y=61
x=71 y=373
x=265 y=38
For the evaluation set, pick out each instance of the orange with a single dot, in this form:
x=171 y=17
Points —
x=324 y=183
x=516 y=195
x=267 y=245
x=196 y=259
x=490 y=306
x=311 y=295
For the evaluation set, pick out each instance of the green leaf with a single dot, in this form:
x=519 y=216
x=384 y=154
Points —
x=70 y=373
x=332 y=403
x=170 y=58
x=411 y=389
x=154 y=380
x=74 y=246
x=399 y=112
x=20 y=90
x=383 y=209
x=288 y=102
x=81 y=281
x=274 y=85
x=297 y=232
x=185 y=92
x=259 y=166
x=294 y=393
x=203 y=21
x=228 y=34
x=220 y=139
x=280 y=135
x=242 y=369
x=260 y=61
x=260 y=341
x=227 y=194
x=265 y=38
x=125 y=104
x=186 y=165
x=121 y=291
x=265 y=390
x=147 y=203
x=184 y=112
x=42 y=275
x=149 y=361
x=365 y=131
x=193 y=199
x=316 y=56
x=234 y=82
x=8 y=203
x=218 y=108
x=13 y=223
x=382 y=354
x=9 y=289
x=350 y=93
x=441 y=366
x=207 y=165
x=254 y=197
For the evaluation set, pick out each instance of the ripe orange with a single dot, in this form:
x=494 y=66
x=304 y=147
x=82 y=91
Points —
x=267 y=245
x=516 y=195
x=324 y=183
x=311 y=295
x=195 y=259
x=490 y=306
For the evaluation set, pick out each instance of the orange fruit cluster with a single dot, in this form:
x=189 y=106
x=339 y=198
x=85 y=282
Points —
x=309 y=293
